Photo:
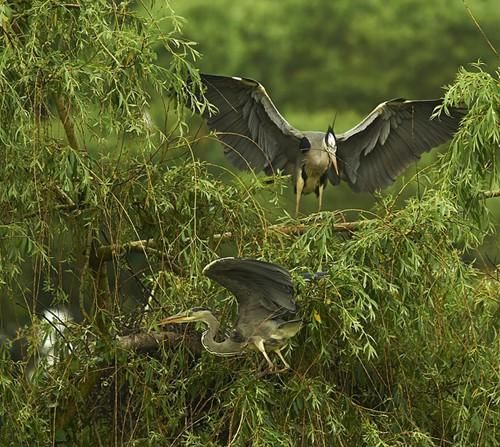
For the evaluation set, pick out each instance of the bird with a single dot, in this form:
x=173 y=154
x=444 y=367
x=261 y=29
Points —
x=267 y=313
x=368 y=157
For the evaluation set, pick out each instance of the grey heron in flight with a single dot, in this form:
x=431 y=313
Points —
x=266 y=310
x=368 y=157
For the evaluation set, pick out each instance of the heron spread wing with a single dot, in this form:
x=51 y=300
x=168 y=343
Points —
x=254 y=134
x=263 y=290
x=393 y=135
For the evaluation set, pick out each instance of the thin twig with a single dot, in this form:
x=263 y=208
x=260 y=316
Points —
x=485 y=37
x=85 y=267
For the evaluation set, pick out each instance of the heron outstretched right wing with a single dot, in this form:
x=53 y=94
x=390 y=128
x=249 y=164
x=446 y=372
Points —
x=374 y=152
x=255 y=135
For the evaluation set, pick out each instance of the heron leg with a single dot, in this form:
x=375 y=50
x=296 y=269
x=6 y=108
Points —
x=320 y=196
x=280 y=355
x=259 y=342
x=299 y=186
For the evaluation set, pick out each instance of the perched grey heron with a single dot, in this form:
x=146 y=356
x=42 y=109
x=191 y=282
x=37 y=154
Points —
x=266 y=309
x=368 y=157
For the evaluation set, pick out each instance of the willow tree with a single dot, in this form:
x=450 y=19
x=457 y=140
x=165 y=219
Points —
x=399 y=345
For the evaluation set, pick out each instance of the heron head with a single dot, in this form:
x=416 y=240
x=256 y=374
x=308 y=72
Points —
x=331 y=147
x=194 y=314
x=330 y=139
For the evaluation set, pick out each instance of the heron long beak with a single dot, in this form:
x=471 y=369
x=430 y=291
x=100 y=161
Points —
x=182 y=317
x=334 y=162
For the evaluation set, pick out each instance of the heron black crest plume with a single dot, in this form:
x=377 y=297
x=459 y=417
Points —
x=334 y=120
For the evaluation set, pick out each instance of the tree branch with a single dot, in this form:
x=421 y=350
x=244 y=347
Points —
x=106 y=252
x=491 y=194
x=67 y=122
x=148 y=341
x=302 y=228
x=65 y=197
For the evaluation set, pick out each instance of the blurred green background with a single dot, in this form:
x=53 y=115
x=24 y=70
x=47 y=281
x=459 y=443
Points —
x=320 y=58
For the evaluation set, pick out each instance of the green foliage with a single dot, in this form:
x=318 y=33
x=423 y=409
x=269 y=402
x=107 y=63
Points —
x=400 y=344
x=471 y=165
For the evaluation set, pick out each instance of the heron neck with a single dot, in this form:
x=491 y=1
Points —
x=226 y=347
